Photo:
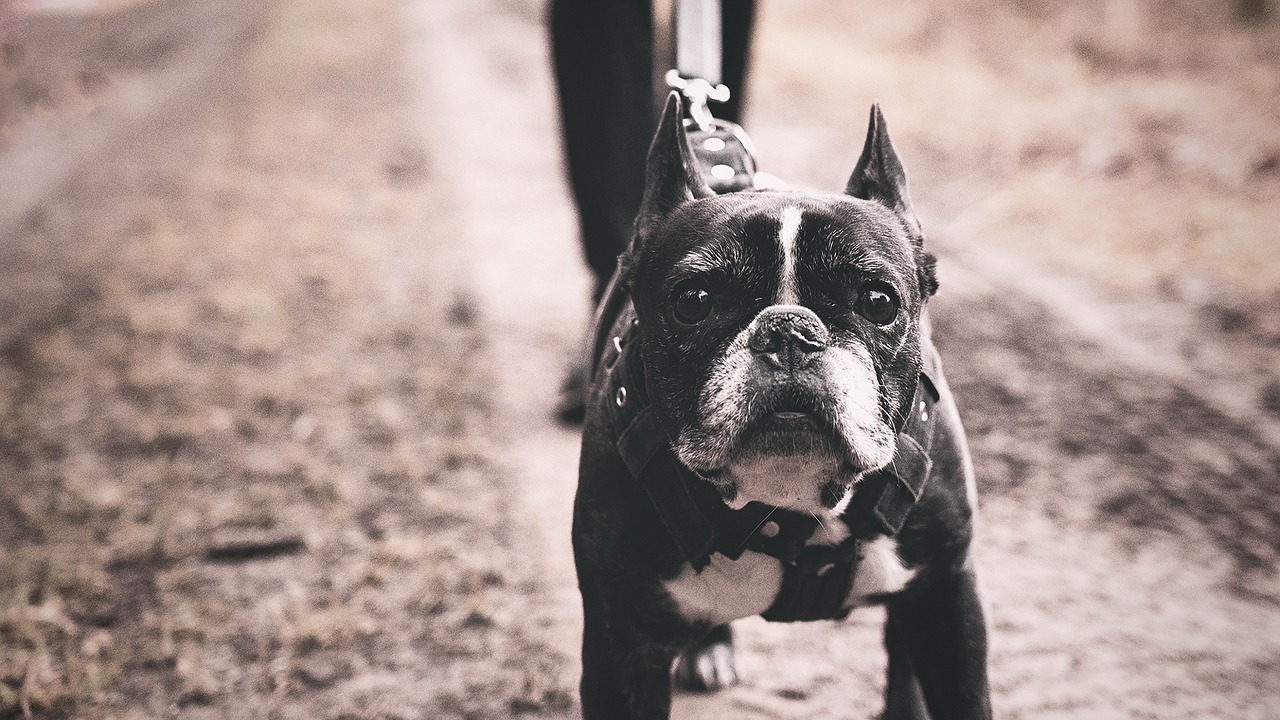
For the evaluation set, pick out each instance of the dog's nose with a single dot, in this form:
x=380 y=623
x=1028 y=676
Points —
x=788 y=337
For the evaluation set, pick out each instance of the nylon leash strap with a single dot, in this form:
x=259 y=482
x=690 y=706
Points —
x=698 y=43
x=725 y=154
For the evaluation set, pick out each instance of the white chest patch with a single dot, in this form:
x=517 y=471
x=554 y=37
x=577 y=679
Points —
x=880 y=572
x=729 y=590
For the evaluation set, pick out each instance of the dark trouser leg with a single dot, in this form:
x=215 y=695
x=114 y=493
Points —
x=737 y=20
x=944 y=636
x=603 y=52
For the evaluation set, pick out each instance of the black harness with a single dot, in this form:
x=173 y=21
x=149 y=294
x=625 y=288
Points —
x=816 y=578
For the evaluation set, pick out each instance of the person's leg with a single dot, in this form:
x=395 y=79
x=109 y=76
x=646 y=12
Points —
x=737 y=21
x=603 y=52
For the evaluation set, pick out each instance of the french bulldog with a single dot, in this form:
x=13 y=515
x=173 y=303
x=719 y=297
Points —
x=768 y=432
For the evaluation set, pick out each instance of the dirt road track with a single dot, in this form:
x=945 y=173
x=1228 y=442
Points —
x=430 y=294
x=80 y=97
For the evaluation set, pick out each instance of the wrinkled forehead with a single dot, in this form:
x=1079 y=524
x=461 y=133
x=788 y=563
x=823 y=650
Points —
x=785 y=235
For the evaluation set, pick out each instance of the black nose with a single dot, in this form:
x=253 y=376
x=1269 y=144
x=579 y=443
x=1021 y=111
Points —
x=788 y=337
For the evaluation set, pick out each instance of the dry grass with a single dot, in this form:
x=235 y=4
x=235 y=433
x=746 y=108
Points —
x=235 y=364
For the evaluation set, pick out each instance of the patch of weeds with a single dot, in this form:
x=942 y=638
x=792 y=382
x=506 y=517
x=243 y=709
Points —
x=326 y=625
x=50 y=664
x=260 y=507
x=197 y=683
x=402 y=551
x=469 y=449
x=158 y=530
x=541 y=690
x=321 y=483
x=93 y=500
x=401 y=467
x=458 y=583
x=180 y=628
x=176 y=638
x=306 y=630
x=147 y=435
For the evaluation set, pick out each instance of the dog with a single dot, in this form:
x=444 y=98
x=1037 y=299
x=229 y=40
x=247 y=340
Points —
x=768 y=432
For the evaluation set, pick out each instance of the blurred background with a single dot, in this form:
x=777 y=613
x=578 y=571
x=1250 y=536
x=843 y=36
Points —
x=287 y=289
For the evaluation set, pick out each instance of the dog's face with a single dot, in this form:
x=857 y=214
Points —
x=780 y=331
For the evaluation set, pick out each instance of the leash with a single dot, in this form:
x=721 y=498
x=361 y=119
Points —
x=725 y=154
x=698 y=46
x=699 y=51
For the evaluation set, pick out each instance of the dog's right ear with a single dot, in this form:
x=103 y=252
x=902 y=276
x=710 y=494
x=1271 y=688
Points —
x=879 y=176
x=671 y=174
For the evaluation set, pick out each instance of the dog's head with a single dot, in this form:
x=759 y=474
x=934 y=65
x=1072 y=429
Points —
x=780 y=331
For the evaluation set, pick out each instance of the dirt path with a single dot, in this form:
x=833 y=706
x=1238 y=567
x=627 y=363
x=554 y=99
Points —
x=275 y=419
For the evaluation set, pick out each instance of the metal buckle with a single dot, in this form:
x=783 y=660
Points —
x=698 y=91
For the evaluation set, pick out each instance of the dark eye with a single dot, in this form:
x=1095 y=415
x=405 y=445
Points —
x=877 y=304
x=693 y=305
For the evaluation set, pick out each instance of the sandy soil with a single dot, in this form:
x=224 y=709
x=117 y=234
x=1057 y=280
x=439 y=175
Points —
x=286 y=294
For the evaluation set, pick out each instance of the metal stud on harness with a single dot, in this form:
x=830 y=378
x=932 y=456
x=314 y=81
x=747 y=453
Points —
x=725 y=154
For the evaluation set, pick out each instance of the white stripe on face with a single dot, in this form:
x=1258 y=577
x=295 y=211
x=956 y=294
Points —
x=788 y=230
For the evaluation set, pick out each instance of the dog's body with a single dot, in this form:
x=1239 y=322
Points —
x=769 y=432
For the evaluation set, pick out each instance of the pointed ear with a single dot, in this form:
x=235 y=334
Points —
x=879 y=176
x=671 y=174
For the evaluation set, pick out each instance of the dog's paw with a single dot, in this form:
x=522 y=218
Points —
x=707 y=666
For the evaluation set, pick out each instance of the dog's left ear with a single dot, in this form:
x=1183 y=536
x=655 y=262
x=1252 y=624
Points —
x=671 y=175
x=671 y=179
x=879 y=176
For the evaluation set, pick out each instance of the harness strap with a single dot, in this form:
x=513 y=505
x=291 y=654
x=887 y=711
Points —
x=888 y=494
x=726 y=157
x=815 y=578
x=814 y=594
x=647 y=454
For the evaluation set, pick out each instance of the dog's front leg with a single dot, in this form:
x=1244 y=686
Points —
x=938 y=634
x=903 y=699
x=624 y=675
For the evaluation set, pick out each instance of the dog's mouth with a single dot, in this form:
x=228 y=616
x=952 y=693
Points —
x=789 y=438
x=789 y=421
x=792 y=424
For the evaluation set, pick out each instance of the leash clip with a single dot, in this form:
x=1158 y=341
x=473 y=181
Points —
x=698 y=91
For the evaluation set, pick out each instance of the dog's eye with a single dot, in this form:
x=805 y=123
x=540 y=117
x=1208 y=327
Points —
x=693 y=305
x=877 y=304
